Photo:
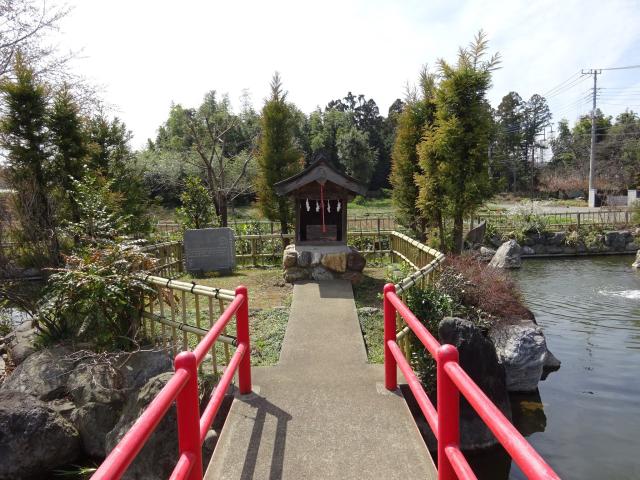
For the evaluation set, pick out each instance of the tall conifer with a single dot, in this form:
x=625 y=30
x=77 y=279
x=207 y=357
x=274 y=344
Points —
x=278 y=156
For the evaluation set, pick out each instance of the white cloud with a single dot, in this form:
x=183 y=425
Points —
x=149 y=54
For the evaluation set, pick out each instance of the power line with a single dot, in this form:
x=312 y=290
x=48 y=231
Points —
x=567 y=87
x=628 y=67
x=551 y=90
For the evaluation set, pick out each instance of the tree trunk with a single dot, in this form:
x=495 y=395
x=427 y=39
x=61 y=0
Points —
x=441 y=230
x=222 y=205
x=458 y=223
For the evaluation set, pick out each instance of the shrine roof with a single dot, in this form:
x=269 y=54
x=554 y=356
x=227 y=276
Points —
x=320 y=171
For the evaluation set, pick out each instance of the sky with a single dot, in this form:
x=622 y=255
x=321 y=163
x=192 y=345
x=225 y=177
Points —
x=147 y=54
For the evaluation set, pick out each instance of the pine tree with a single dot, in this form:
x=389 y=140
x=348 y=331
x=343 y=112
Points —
x=24 y=138
x=278 y=157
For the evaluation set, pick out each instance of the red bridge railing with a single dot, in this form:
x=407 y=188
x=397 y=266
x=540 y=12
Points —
x=451 y=381
x=183 y=389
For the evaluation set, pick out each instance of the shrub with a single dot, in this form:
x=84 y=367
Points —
x=486 y=290
x=430 y=305
x=360 y=200
x=527 y=219
x=491 y=231
x=197 y=209
x=100 y=219
x=573 y=238
x=96 y=297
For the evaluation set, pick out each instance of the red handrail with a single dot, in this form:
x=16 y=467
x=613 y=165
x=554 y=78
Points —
x=183 y=388
x=451 y=381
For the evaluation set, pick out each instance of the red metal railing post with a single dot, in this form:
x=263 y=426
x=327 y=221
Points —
x=390 y=366
x=242 y=332
x=188 y=411
x=448 y=411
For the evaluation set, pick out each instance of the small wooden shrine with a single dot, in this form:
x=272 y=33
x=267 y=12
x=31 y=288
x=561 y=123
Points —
x=321 y=194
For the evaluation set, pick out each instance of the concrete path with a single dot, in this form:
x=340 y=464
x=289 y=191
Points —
x=322 y=412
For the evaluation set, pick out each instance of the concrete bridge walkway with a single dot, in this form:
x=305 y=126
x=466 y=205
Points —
x=322 y=412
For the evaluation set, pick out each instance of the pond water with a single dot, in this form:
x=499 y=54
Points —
x=586 y=421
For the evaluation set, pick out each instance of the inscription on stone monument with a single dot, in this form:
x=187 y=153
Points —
x=209 y=249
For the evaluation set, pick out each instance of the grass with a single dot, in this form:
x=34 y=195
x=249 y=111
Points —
x=368 y=294
x=371 y=325
x=269 y=302
x=266 y=287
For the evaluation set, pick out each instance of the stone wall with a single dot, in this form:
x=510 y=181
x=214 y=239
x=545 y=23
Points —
x=570 y=243
x=302 y=262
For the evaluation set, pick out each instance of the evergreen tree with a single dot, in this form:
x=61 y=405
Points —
x=24 y=138
x=110 y=156
x=278 y=157
x=69 y=145
x=417 y=113
x=508 y=152
x=355 y=154
x=454 y=150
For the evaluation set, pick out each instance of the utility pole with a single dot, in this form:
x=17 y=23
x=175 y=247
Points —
x=592 y=155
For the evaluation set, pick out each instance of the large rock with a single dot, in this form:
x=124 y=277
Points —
x=97 y=386
x=158 y=457
x=21 y=342
x=33 y=438
x=527 y=250
x=94 y=421
x=320 y=273
x=476 y=234
x=507 y=256
x=522 y=349
x=43 y=374
x=99 y=391
x=556 y=239
x=478 y=359
x=617 y=240
x=294 y=274
x=636 y=264
x=304 y=258
x=289 y=257
x=486 y=254
x=336 y=262
x=137 y=368
x=355 y=260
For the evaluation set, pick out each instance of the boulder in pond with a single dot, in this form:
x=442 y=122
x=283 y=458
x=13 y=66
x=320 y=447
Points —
x=636 y=264
x=507 y=256
x=34 y=439
x=522 y=349
x=486 y=254
x=478 y=359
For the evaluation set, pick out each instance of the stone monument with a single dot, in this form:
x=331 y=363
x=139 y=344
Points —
x=209 y=250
